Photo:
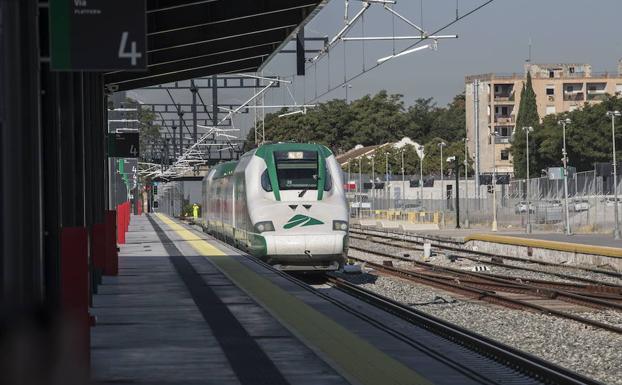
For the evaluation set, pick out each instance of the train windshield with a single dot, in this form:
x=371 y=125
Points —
x=296 y=170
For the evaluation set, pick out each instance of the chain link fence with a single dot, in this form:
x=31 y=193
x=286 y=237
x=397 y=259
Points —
x=170 y=198
x=590 y=203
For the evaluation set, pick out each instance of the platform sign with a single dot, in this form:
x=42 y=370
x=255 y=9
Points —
x=123 y=145
x=98 y=35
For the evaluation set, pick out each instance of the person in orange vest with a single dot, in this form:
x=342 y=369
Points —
x=195 y=211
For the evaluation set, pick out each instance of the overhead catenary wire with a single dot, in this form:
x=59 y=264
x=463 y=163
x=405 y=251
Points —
x=442 y=28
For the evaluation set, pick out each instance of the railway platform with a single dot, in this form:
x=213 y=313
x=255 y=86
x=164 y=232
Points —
x=187 y=309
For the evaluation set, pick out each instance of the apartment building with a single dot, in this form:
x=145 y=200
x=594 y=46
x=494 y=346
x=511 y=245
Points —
x=492 y=102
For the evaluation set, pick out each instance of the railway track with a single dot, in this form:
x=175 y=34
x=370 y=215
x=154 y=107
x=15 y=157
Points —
x=524 y=363
x=398 y=240
x=589 y=295
x=479 y=349
x=512 y=294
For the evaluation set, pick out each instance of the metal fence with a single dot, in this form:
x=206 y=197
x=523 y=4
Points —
x=170 y=198
x=590 y=205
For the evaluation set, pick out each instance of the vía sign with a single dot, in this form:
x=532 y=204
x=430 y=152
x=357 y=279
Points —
x=123 y=145
x=98 y=35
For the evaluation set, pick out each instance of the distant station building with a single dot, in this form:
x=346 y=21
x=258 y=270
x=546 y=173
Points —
x=492 y=101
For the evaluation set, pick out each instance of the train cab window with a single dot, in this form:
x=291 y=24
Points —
x=296 y=170
x=265 y=181
x=328 y=183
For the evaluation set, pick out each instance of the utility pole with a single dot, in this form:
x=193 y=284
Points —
x=466 y=184
x=528 y=227
x=360 y=187
x=386 y=179
x=494 y=180
x=194 y=91
x=215 y=100
x=476 y=128
x=180 y=113
x=457 y=172
x=174 y=142
x=421 y=148
x=613 y=114
x=403 y=181
x=443 y=196
x=373 y=182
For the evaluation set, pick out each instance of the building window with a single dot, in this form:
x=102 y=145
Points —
x=550 y=90
x=551 y=74
x=571 y=70
x=504 y=131
x=505 y=155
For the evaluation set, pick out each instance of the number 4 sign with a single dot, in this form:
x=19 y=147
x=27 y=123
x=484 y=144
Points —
x=131 y=54
x=98 y=35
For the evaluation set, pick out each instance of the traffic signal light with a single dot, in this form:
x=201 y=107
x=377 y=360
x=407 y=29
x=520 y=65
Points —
x=155 y=190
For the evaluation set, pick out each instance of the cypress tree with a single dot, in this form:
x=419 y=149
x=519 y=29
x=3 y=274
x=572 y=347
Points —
x=527 y=116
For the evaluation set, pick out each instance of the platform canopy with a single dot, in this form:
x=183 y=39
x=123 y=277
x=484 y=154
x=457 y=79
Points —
x=192 y=38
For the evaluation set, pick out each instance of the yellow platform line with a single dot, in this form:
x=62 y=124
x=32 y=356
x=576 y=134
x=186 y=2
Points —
x=546 y=244
x=356 y=359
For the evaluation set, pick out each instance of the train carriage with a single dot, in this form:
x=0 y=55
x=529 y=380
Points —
x=283 y=203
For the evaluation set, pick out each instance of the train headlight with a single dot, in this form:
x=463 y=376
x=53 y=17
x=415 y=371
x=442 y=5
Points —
x=340 y=225
x=264 y=226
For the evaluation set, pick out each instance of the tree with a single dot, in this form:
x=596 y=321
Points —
x=527 y=117
x=149 y=136
x=450 y=122
x=588 y=137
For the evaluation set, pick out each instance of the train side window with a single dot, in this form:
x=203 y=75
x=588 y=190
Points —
x=328 y=183
x=265 y=181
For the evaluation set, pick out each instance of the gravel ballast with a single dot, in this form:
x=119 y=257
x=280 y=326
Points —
x=591 y=352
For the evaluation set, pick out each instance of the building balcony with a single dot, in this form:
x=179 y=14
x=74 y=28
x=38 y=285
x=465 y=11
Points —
x=503 y=139
x=504 y=119
x=578 y=97
x=504 y=97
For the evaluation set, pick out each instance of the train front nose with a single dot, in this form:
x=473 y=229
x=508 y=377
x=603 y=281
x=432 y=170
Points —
x=314 y=245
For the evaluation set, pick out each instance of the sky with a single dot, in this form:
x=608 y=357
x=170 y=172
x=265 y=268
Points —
x=494 y=39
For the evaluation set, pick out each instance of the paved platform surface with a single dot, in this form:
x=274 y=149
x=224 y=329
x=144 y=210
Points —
x=187 y=309
x=150 y=329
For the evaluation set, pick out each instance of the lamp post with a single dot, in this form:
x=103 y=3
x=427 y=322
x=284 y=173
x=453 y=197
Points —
x=349 y=175
x=528 y=227
x=360 y=188
x=466 y=184
x=403 y=181
x=373 y=183
x=443 y=197
x=563 y=123
x=386 y=179
x=494 y=135
x=612 y=115
x=421 y=154
x=346 y=86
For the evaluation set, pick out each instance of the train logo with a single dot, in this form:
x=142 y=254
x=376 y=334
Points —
x=301 y=220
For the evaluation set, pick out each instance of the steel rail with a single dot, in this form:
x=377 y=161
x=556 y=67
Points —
x=483 y=295
x=401 y=237
x=523 y=362
x=505 y=283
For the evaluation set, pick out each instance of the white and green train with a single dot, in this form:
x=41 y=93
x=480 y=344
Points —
x=283 y=203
